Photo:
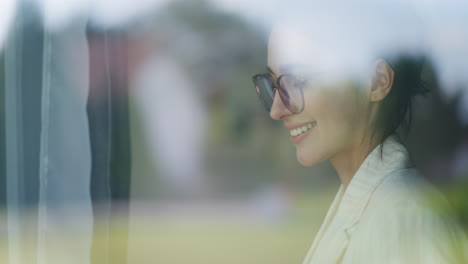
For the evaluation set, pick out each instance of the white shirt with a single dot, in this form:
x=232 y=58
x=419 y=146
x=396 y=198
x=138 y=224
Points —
x=384 y=216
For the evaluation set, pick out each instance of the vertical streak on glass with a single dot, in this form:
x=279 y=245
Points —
x=13 y=136
x=43 y=157
x=109 y=145
x=65 y=220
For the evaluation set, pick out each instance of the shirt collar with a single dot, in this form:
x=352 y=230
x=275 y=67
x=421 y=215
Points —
x=380 y=163
x=375 y=168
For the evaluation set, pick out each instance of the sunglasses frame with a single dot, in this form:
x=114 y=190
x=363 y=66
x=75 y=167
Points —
x=277 y=86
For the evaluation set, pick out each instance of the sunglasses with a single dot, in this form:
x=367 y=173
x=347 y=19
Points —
x=289 y=87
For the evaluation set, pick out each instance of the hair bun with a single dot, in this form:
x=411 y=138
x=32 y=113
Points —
x=420 y=89
x=408 y=75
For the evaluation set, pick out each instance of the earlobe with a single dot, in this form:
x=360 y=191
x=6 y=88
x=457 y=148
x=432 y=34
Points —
x=382 y=81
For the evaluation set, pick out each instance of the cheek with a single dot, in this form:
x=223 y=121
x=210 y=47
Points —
x=340 y=123
x=338 y=117
x=319 y=107
x=331 y=108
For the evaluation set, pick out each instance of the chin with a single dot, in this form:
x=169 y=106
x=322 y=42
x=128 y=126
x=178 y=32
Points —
x=307 y=160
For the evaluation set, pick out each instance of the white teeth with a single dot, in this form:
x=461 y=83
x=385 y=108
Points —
x=300 y=130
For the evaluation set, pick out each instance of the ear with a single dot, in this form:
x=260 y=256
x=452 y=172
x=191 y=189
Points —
x=382 y=81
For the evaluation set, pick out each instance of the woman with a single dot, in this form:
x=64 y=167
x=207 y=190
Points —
x=349 y=116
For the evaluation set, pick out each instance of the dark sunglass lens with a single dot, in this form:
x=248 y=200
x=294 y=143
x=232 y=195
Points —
x=290 y=89
x=264 y=85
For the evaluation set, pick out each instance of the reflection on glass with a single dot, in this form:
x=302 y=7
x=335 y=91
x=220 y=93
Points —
x=133 y=133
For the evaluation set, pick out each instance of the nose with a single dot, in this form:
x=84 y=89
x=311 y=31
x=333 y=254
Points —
x=278 y=110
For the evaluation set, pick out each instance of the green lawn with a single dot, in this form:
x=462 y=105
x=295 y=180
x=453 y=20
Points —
x=225 y=240
x=207 y=240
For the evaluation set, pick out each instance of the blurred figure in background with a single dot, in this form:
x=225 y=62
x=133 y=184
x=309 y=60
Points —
x=174 y=120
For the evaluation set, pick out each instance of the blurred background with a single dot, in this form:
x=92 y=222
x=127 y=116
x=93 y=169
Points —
x=132 y=133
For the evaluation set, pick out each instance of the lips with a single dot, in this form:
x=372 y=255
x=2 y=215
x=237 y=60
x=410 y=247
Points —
x=298 y=133
x=301 y=129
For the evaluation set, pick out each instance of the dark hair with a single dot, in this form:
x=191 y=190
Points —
x=396 y=109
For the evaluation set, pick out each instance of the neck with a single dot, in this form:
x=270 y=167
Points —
x=347 y=163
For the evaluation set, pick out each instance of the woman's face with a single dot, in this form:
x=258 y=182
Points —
x=334 y=113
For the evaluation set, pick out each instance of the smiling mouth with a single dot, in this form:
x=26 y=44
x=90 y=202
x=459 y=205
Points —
x=300 y=130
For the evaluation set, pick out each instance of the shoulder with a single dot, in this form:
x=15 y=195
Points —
x=404 y=187
x=406 y=200
x=401 y=221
